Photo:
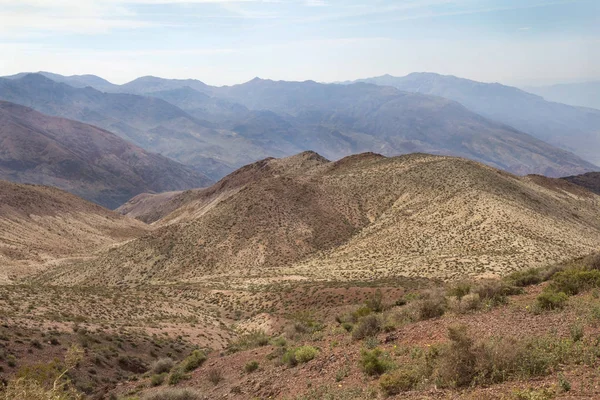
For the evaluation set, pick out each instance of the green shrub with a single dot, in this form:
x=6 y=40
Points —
x=496 y=292
x=374 y=362
x=576 y=332
x=396 y=382
x=193 y=361
x=174 y=394
x=524 y=278
x=431 y=307
x=369 y=325
x=375 y=302
x=573 y=281
x=551 y=300
x=251 y=366
x=162 y=365
x=459 y=290
x=158 y=379
x=177 y=375
x=299 y=355
x=249 y=341
x=305 y=353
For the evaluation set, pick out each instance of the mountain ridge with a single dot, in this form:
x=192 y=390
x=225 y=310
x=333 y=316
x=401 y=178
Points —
x=85 y=160
x=364 y=215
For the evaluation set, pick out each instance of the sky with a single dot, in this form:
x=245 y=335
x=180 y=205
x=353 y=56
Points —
x=222 y=42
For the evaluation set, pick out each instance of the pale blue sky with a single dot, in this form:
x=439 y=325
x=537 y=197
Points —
x=227 y=41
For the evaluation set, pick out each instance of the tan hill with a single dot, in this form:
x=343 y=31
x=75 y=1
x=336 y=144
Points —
x=363 y=217
x=191 y=204
x=40 y=224
x=590 y=181
x=82 y=159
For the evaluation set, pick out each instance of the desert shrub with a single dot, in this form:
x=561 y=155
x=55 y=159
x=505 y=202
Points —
x=359 y=313
x=11 y=360
x=374 y=362
x=174 y=394
x=162 y=365
x=251 y=366
x=299 y=355
x=193 y=361
x=573 y=281
x=214 y=376
x=369 y=325
x=33 y=383
x=176 y=376
x=551 y=300
x=594 y=262
x=305 y=354
x=496 y=292
x=467 y=303
x=431 y=307
x=531 y=276
x=576 y=332
x=457 y=363
x=158 y=379
x=399 y=381
x=305 y=323
x=459 y=290
x=249 y=341
x=375 y=302
x=132 y=364
x=21 y=388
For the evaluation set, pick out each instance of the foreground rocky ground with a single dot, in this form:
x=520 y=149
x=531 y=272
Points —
x=531 y=335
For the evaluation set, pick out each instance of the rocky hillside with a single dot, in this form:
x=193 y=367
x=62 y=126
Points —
x=365 y=216
x=40 y=224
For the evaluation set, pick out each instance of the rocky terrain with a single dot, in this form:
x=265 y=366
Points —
x=299 y=278
x=40 y=226
x=362 y=217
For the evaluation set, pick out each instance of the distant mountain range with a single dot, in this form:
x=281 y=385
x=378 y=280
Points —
x=217 y=129
x=83 y=159
x=585 y=94
x=575 y=129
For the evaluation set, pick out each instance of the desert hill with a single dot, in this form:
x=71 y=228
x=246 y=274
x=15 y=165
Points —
x=590 y=181
x=573 y=128
x=82 y=159
x=166 y=208
x=39 y=224
x=365 y=216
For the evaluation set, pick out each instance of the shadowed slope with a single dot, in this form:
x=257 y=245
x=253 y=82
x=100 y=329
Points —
x=83 y=159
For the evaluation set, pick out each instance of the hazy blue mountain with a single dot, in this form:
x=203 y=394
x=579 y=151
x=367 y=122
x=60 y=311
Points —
x=575 y=129
x=78 y=81
x=231 y=126
x=149 y=84
x=149 y=122
x=585 y=94
x=83 y=159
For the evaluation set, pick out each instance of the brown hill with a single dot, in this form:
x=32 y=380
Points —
x=590 y=181
x=40 y=224
x=365 y=216
x=190 y=204
x=82 y=159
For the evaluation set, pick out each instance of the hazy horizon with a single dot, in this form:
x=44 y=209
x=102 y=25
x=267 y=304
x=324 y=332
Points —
x=224 y=42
